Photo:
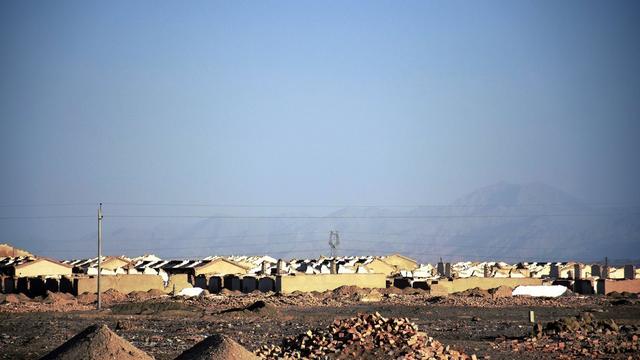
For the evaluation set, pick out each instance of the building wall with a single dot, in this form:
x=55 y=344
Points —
x=177 y=281
x=122 y=283
x=42 y=268
x=457 y=285
x=322 y=282
x=609 y=286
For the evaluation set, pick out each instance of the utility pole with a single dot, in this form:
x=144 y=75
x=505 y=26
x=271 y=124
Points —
x=99 y=253
x=334 y=241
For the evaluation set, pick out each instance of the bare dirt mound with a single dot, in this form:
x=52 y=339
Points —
x=59 y=298
x=87 y=298
x=156 y=293
x=346 y=291
x=218 y=347
x=500 y=292
x=475 y=292
x=97 y=342
x=15 y=299
x=111 y=296
x=139 y=295
x=371 y=295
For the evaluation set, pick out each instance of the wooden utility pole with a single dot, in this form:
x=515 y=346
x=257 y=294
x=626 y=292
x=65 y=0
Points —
x=99 y=253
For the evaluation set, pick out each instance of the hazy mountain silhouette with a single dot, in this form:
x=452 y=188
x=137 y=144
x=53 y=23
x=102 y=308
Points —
x=505 y=221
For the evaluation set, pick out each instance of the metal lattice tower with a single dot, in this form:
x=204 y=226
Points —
x=334 y=241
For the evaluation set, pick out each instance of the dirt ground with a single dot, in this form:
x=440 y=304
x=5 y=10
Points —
x=164 y=327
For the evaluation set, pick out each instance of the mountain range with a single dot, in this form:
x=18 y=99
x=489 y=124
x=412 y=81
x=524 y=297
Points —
x=509 y=222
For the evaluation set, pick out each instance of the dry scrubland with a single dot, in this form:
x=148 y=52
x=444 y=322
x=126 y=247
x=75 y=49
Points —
x=344 y=323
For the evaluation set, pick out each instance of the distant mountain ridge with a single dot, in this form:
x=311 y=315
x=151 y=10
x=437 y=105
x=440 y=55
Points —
x=510 y=222
x=11 y=251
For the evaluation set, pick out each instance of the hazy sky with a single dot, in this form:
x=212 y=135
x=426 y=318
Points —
x=345 y=102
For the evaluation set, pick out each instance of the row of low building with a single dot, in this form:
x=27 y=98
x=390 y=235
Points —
x=264 y=273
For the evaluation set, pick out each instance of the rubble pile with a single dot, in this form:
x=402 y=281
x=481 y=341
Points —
x=581 y=336
x=365 y=335
x=501 y=301
x=57 y=302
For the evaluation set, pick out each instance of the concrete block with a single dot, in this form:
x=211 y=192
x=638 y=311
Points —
x=568 y=283
x=201 y=281
x=420 y=285
x=629 y=272
x=584 y=287
x=232 y=282
x=215 y=284
x=248 y=284
x=36 y=286
x=266 y=284
x=595 y=270
x=7 y=284
x=401 y=283
x=66 y=285
x=52 y=284
x=22 y=285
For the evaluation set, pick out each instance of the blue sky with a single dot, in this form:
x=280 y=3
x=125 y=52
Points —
x=301 y=102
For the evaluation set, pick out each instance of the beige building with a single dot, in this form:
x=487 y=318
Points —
x=31 y=267
x=401 y=262
x=377 y=266
x=222 y=266
x=113 y=263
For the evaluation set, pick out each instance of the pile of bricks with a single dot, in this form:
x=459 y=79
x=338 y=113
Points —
x=365 y=335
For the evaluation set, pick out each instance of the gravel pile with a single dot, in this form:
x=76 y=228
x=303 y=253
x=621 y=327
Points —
x=363 y=336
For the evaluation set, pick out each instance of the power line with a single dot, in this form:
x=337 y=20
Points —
x=47 y=204
x=44 y=217
x=308 y=217
x=385 y=217
x=222 y=205
x=228 y=205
